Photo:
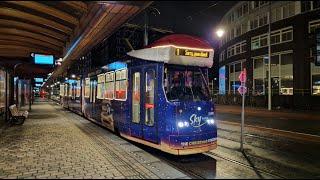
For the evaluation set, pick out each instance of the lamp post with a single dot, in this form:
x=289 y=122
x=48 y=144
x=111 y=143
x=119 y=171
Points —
x=220 y=33
x=269 y=60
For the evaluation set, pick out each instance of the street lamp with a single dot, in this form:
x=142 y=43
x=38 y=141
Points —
x=220 y=33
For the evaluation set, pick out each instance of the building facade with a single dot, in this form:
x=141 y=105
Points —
x=295 y=80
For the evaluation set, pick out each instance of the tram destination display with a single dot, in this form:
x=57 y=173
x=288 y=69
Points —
x=192 y=53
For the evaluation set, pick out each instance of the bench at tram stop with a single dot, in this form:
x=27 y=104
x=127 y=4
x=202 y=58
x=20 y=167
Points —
x=17 y=116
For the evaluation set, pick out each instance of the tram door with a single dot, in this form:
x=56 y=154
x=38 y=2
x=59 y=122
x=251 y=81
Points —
x=93 y=93
x=143 y=123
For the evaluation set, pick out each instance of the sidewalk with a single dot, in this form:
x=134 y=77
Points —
x=55 y=143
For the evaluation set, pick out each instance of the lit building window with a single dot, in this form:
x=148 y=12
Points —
x=244 y=27
x=263 y=19
x=222 y=56
x=309 y=5
x=286 y=74
x=276 y=37
x=305 y=6
x=281 y=74
x=313 y=25
x=276 y=14
x=238 y=31
x=315 y=79
x=236 y=49
x=259 y=21
x=315 y=75
x=259 y=42
x=234 y=72
x=286 y=35
x=254 y=23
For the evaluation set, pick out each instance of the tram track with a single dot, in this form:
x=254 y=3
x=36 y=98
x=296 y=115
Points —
x=195 y=174
x=278 y=144
x=248 y=134
x=244 y=165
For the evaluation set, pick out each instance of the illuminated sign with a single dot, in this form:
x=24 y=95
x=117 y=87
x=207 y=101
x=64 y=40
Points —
x=192 y=53
x=222 y=80
x=38 y=79
x=193 y=143
x=43 y=59
x=197 y=121
x=115 y=66
x=317 y=62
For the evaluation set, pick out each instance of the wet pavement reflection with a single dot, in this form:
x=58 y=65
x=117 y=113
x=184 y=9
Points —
x=196 y=165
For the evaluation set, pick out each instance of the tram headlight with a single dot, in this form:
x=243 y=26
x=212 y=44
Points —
x=183 y=124
x=210 y=121
x=186 y=124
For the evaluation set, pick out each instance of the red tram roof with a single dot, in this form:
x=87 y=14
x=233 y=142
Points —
x=181 y=40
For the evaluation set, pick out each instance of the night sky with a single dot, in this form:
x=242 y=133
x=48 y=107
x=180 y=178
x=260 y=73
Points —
x=199 y=18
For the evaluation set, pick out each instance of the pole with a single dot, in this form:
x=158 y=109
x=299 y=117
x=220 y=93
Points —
x=30 y=95
x=269 y=61
x=146 y=28
x=242 y=113
x=7 y=83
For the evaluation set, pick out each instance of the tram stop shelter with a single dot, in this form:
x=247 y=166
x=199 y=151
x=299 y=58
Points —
x=64 y=29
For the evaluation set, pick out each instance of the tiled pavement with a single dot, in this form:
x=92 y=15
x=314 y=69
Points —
x=55 y=143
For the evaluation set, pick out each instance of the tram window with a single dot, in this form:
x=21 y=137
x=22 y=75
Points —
x=149 y=97
x=61 y=90
x=184 y=84
x=73 y=85
x=66 y=90
x=109 y=86
x=78 y=88
x=70 y=89
x=87 y=88
x=100 y=90
x=136 y=97
x=121 y=84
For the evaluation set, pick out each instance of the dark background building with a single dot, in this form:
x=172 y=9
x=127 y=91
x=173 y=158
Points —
x=295 y=79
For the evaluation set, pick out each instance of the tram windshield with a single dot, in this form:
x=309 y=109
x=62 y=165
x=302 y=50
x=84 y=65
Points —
x=185 y=84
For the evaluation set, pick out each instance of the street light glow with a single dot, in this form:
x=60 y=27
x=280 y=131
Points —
x=220 y=33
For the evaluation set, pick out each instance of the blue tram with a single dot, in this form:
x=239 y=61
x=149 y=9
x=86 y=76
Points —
x=158 y=97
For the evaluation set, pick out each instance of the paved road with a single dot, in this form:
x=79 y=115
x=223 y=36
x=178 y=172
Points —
x=302 y=122
x=54 y=143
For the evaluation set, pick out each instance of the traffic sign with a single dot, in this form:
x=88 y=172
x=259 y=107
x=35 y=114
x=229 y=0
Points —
x=242 y=90
x=243 y=75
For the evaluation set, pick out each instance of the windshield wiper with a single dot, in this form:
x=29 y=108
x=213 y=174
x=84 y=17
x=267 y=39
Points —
x=207 y=84
x=191 y=85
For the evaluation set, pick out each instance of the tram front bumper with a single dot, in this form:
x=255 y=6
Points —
x=192 y=144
